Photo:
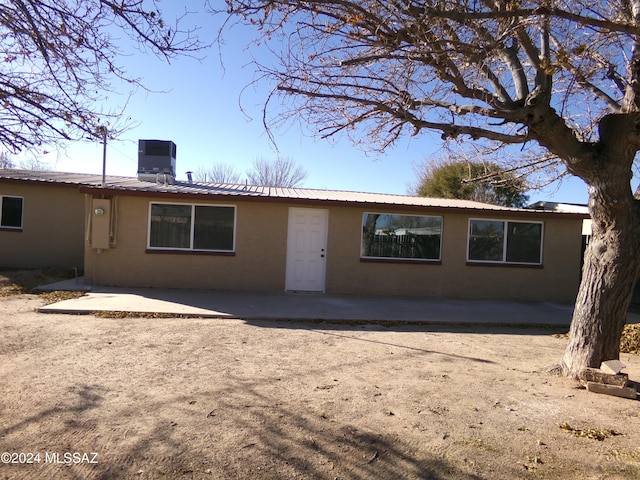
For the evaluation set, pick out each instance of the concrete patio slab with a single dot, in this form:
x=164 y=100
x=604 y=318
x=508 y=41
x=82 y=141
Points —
x=309 y=307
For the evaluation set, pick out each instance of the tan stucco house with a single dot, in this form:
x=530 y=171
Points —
x=154 y=231
x=41 y=220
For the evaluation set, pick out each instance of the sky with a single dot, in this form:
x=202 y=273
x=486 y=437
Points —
x=197 y=105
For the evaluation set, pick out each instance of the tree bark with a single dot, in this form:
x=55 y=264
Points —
x=610 y=272
x=612 y=259
x=609 y=276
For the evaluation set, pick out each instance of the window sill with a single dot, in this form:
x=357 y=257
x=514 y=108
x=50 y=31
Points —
x=188 y=252
x=411 y=261
x=504 y=264
x=10 y=229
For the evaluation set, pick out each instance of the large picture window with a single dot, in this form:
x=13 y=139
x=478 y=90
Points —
x=11 y=212
x=192 y=227
x=401 y=236
x=505 y=242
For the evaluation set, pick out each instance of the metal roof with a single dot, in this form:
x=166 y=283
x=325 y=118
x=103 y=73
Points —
x=560 y=207
x=114 y=184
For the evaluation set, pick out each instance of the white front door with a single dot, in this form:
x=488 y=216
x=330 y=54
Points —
x=306 y=250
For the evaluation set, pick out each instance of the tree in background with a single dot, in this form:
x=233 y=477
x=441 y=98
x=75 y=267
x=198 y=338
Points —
x=465 y=180
x=217 y=173
x=33 y=163
x=279 y=172
x=6 y=161
x=560 y=80
x=58 y=59
x=27 y=163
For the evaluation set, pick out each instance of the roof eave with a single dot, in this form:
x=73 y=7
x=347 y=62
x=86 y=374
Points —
x=257 y=197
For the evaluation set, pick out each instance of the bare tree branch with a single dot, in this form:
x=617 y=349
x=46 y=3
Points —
x=58 y=59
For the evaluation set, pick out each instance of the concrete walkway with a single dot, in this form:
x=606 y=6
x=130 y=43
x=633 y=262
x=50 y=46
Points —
x=310 y=307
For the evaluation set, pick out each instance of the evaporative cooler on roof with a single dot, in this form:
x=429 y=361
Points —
x=156 y=161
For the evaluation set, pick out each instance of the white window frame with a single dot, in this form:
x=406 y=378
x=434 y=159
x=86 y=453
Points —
x=192 y=228
x=504 y=242
x=2 y=227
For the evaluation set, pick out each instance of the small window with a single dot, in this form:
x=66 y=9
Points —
x=505 y=242
x=11 y=212
x=192 y=227
x=410 y=237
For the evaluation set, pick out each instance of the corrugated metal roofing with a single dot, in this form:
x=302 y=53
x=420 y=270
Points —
x=131 y=184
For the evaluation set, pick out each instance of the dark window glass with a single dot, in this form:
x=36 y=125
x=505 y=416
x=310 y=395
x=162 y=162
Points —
x=213 y=228
x=170 y=226
x=192 y=227
x=401 y=236
x=11 y=216
x=486 y=240
x=523 y=242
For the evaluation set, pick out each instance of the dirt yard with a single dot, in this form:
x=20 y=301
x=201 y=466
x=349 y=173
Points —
x=141 y=398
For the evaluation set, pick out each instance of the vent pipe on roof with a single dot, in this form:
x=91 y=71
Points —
x=190 y=177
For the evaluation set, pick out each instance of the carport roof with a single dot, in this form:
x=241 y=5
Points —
x=117 y=185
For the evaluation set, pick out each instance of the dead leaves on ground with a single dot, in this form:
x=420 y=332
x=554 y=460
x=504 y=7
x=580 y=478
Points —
x=592 y=433
x=11 y=289
x=122 y=314
x=630 y=341
x=59 y=296
x=18 y=282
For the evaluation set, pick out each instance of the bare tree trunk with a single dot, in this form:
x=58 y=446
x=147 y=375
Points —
x=610 y=272
x=612 y=259
x=601 y=308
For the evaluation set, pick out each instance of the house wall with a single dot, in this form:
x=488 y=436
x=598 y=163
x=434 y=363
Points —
x=260 y=258
x=258 y=263
x=556 y=280
x=52 y=228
